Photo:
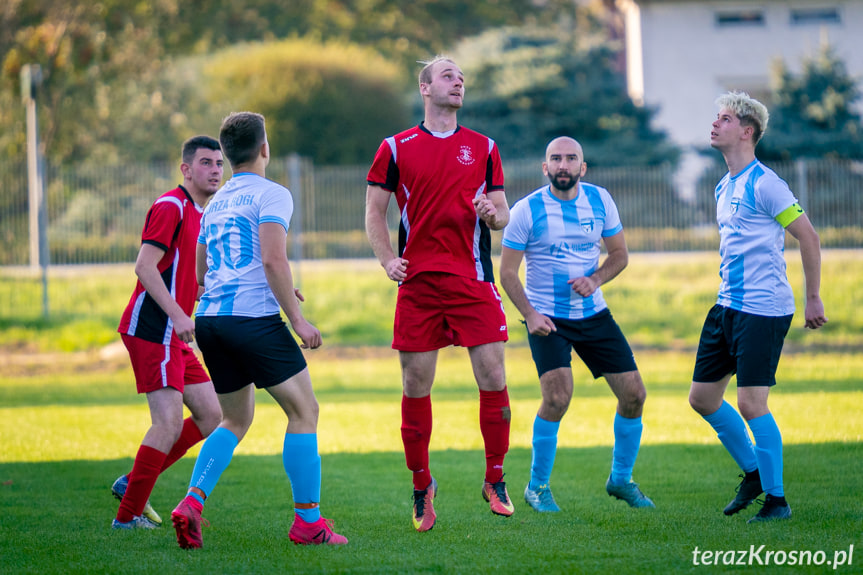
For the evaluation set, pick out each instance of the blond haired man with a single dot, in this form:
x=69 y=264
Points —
x=744 y=332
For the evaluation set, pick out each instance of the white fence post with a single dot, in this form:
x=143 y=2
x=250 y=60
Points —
x=31 y=78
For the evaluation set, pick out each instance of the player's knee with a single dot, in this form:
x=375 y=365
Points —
x=702 y=405
x=556 y=404
x=209 y=420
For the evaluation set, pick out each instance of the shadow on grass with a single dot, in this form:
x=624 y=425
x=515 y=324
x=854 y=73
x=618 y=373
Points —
x=56 y=516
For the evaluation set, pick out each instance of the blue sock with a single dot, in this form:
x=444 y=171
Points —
x=303 y=466
x=627 y=440
x=732 y=433
x=544 y=450
x=215 y=455
x=768 y=451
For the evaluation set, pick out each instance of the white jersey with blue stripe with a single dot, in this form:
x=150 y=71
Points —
x=561 y=241
x=235 y=283
x=752 y=242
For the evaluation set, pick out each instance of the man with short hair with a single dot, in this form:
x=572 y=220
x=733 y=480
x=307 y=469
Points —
x=448 y=183
x=744 y=332
x=156 y=329
x=243 y=266
x=558 y=229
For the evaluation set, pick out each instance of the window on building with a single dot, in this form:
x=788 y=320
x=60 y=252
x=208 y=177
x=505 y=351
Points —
x=819 y=16
x=748 y=17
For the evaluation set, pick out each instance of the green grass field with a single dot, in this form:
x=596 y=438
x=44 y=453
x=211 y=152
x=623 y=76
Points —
x=69 y=430
x=70 y=423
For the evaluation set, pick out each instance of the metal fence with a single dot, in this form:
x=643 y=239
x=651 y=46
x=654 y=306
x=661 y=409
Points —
x=95 y=214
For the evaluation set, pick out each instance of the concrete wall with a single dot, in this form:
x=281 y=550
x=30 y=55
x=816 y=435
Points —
x=680 y=59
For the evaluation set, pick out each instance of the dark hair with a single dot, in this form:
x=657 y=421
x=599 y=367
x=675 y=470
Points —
x=195 y=143
x=242 y=135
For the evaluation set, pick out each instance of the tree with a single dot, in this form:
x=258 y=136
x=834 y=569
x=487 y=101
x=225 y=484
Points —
x=526 y=86
x=814 y=114
x=333 y=102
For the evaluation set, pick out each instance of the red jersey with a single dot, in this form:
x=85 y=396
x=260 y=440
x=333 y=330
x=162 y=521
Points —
x=172 y=224
x=435 y=180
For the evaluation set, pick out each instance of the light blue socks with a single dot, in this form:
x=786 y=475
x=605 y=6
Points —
x=544 y=451
x=731 y=430
x=627 y=441
x=768 y=452
x=214 y=458
x=303 y=466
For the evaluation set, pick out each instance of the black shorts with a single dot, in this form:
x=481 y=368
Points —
x=243 y=350
x=743 y=343
x=597 y=340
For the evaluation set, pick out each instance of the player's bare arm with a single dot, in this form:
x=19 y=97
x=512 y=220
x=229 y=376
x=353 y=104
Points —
x=377 y=201
x=147 y=270
x=492 y=209
x=810 y=254
x=200 y=264
x=510 y=261
x=616 y=260
x=278 y=271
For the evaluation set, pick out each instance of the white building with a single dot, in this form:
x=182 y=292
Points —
x=682 y=54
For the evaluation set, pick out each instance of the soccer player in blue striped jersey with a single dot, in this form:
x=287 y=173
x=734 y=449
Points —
x=744 y=331
x=243 y=266
x=557 y=230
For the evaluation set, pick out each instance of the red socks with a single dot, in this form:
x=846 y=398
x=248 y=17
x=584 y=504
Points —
x=416 y=435
x=188 y=437
x=145 y=471
x=494 y=423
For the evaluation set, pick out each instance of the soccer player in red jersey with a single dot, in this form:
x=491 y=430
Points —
x=157 y=327
x=448 y=183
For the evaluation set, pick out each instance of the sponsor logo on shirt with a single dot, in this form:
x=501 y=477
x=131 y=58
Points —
x=465 y=156
x=560 y=250
x=411 y=137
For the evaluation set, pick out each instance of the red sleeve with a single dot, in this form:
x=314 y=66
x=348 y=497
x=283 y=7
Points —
x=161 y=225
x=495 y=170
x=384 y=172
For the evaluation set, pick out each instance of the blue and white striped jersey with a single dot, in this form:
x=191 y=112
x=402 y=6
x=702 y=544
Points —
x=561 y=241
x=235 y=283
x=752 y=241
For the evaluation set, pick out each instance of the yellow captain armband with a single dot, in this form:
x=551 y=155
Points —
x=790 y=214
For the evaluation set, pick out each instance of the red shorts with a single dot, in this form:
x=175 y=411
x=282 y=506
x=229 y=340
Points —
x=157 y=366
x=434 y=310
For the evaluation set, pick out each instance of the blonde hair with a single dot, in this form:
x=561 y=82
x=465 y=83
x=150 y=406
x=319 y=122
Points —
x=425 y=76
x=748 y=110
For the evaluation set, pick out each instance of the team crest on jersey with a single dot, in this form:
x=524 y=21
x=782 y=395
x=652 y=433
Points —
x=587 y=225
x=735 y=205
x=465 y=156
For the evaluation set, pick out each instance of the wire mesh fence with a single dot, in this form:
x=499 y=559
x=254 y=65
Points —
x=95 y=213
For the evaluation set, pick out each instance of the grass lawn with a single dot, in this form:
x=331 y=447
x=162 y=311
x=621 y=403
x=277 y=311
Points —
x=70 y=428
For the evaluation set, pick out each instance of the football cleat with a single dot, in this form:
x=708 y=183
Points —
x=137 y=522
x=747 y=491
x=497 y=497
x=424 y=516
x=774 y=508
x=187 y=522
x=318 y=533
x=541 y=499
x=628 y=492
x=119 y=490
